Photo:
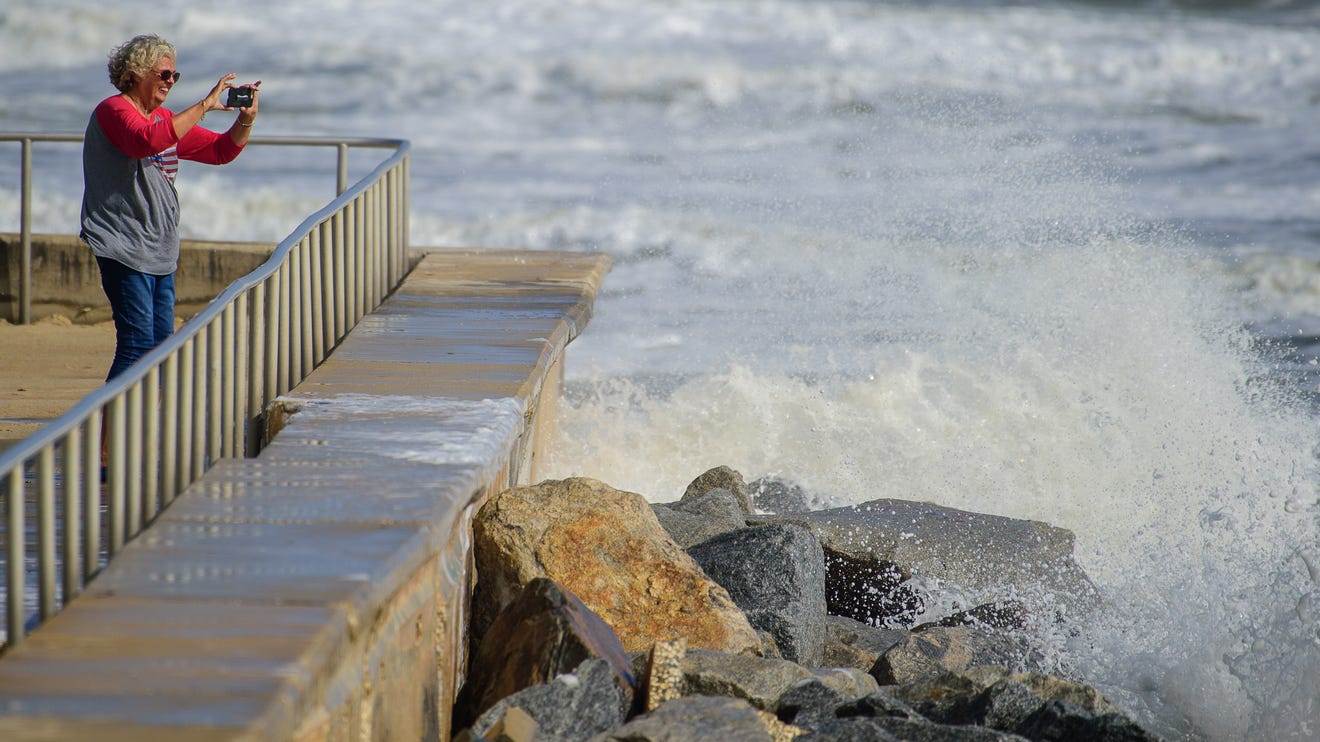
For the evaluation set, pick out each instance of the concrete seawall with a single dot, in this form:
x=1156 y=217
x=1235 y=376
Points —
x=319 y=591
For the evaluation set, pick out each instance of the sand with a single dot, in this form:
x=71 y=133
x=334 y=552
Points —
x=46 y=368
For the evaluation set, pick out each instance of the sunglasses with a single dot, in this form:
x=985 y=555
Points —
x=170 y=75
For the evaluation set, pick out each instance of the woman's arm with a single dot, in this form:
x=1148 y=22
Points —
x=203 y=145
x=191 y=116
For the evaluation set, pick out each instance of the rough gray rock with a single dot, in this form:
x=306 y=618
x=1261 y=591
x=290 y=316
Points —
x=1045 y=707
x=948 y=698
x=1002 y=614
x=848 y=682
x=776 y=575
x=880 y=703
x=693 y=718
x=935 y=651
x=985 y=556
x=780 y=496
x=1032 y=705
x=1059 y=720
x=704 y=516
x=854 y=729
x=571 y=707
x=852 y=643
x=881 y=729
x=723 y=478
x=808 y=704
x=757 y=680
x=910 y=730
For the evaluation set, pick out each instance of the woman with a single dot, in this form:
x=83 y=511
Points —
x=130 y=210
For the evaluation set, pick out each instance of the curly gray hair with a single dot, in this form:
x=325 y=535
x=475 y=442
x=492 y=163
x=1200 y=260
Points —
x=134 y=58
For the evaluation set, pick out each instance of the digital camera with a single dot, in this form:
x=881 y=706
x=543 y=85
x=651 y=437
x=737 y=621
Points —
x=240 y=97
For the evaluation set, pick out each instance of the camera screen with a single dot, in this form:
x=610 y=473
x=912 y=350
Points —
x=239 y=98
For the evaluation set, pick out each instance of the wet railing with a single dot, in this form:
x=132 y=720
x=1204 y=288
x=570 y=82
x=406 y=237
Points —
x=85 y=484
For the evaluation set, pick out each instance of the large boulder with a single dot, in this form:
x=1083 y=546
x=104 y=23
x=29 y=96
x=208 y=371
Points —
x=544 y=633
x=981 y=556
x=606 y=547
x=776 y=575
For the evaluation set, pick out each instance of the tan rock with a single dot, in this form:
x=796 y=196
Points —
x=605 y=546
x=664 y=673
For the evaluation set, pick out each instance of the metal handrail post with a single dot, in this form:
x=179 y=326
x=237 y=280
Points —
x=341 y=179
x=25 y=237
x=15 y=585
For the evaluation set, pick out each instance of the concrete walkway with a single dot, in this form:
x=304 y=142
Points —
x=318 y=591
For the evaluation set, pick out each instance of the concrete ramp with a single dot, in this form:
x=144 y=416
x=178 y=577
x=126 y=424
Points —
x=319 y=591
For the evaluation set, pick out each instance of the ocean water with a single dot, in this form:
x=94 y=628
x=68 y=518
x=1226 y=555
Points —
x=1047 y=260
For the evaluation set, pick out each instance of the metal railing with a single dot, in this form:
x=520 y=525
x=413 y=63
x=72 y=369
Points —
x=200 y=396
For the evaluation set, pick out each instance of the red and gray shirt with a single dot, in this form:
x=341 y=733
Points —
x=130 y=210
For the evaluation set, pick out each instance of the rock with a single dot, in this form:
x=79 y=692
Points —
x=769 y=647
x=855 y=729
x=571 y=707
x=808 y=704
x=942 y=649
x=1032 y=705
x=605 y=546
x=692 y=521
x=1003 y=614
x=779 y=731
x=1059 y=720
x=757 y=680
x=1051 y=688
x=723 y=478
x=910 y=730
x=948 y=698
x=852 y=643
x=881 y=729
x=513 y=725
x=663 y=678
x=850 y=683
x=693 y=718
x=983 y=556
x=880 y=703
x=835 y=654
x=867 y=590
x=1006 y=704
x=1041 y=706
x=545 y=632
x=780 y=496
x=776 y=575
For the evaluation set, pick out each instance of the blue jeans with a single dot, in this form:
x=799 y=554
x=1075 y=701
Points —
x=143 y=309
